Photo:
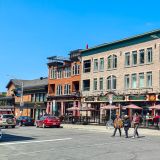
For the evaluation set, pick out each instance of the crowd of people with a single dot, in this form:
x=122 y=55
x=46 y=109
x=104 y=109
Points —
x=127 y=123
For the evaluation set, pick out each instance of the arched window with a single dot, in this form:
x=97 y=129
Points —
x=112 y=62
x=111 y=82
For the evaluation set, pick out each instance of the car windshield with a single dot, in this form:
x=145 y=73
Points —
x=8 y=116
x=24 y=117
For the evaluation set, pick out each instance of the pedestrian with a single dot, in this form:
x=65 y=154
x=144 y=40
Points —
x=136 y=122
x=126 y=125
x=118 y=124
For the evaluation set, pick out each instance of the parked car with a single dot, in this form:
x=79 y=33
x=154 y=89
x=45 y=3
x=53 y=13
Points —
x=7 y=120
x=25 y=121
x=48 y=121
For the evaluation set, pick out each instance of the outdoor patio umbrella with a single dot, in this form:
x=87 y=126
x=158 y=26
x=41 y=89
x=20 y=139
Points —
x=109 y=107
x=155 y=107
x=132 y=106
x=87 y=109
x=73 y=109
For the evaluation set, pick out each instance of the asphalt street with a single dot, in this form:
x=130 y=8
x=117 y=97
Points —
x=31 y=143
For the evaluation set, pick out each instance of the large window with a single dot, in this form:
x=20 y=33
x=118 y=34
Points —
x=126 y=81
x=67 y=89
x=59 y=90
x=101 y=84
x=101 y=68
x=134 y=81
x=141 y=56
x=76 y=69
x=86 y=66
x=86 y=85
x=95 y=65
x=95 y=84
x=112 y=62
x=53 y=73
x=127 y=59
x=149 y=55
x=149 y=79
x=134 y=58
x=141 y=80
x=67 y=72
x=111 y=82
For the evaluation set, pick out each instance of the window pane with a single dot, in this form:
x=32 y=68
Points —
x=134 y=81
x=149 y=79
x=101 y=64
x=141 y=80
x=109 y=82
x=149 y=55
x=127 y=82
x=109 y=62
x=113 y=82
x=101 y=83
x=127 y=59
x=134 y=58
x=95 y=64
x=141 y=56
x=95 y=84
x=114 y=61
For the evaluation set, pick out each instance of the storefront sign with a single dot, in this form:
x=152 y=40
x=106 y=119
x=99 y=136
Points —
x=89 y=98
x=115 y=98
x=137 y=97
x=152 y=97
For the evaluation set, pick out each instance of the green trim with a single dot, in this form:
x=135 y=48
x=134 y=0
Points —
x=122 y=43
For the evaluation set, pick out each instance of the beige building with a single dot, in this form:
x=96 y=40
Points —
x=130 y=68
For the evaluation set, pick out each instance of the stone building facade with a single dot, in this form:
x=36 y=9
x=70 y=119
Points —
x=130 y=68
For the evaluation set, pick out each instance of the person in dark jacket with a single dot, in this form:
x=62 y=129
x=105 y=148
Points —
x=126 y=125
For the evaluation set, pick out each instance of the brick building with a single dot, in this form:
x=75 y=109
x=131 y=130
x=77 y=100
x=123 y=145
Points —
x=63 y=83
x=129 y=67
x=33 y=101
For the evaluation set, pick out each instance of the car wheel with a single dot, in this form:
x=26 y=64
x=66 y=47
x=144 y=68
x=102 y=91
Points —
x=44 y=126
x=13 y=126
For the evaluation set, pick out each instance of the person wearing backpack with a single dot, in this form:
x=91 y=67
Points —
x=136 y=122
x=126 y=125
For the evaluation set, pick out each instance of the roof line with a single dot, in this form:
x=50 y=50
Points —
x=121 y=40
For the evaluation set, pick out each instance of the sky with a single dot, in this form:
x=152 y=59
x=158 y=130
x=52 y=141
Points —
x=32 y=30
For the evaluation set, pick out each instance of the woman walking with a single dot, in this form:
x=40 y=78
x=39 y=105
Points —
x=126 y=125
x=136 y=122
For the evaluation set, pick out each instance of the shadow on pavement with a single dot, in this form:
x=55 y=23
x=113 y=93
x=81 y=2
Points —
x=14 y=138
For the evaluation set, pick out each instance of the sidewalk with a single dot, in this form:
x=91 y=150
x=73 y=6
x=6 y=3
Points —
x=95 y=128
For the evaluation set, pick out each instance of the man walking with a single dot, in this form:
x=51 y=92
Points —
x=117 y=125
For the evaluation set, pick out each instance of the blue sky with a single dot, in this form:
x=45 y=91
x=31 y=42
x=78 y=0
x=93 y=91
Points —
x=32 y=30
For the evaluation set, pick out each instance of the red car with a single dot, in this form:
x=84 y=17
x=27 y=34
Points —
x=48 y=121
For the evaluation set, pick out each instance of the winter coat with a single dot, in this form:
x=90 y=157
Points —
x=118 y=123
x=127 y=123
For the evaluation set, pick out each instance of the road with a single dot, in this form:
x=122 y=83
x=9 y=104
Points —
x=30 y=143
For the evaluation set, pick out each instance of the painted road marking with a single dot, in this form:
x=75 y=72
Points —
x=41 y=141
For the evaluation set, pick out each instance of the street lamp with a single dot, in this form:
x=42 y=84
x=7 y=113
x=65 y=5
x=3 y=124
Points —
x=110 y=99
